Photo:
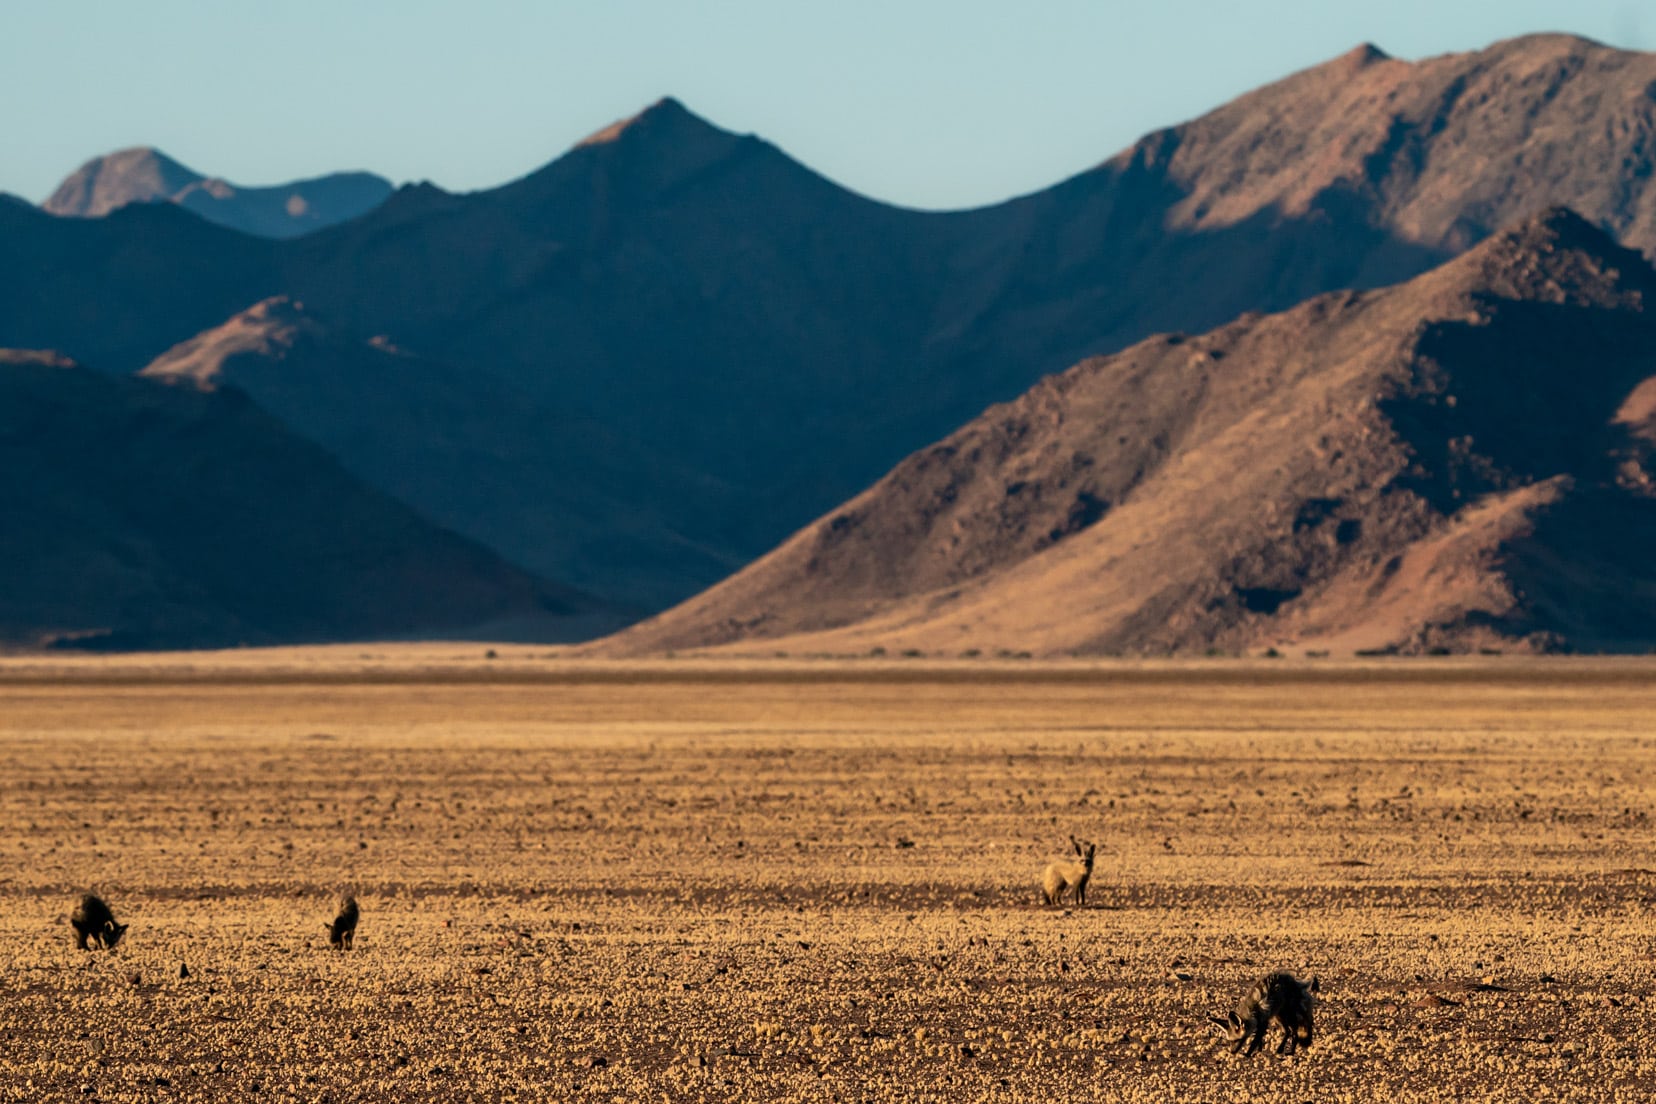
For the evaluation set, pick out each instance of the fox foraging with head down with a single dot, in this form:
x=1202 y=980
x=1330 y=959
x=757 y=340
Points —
x=1277 y=996
x=342 y=932
x=93 y=920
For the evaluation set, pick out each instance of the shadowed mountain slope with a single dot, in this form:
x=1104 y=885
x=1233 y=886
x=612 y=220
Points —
x=555 y=493
x=101 y=288
x=775 y=343
x=1460 y=461
x=682 y=286
x=139 y=515
x=143 y=175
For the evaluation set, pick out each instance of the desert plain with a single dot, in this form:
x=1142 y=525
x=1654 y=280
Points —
x=819 y=881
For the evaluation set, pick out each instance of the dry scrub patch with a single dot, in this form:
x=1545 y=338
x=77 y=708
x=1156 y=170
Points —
x=821 y=883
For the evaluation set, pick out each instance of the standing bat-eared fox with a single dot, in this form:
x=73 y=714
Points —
x=1071 y=878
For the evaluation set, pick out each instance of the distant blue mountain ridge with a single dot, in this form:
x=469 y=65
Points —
x=145 y=175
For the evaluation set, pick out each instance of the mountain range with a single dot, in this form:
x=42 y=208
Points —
x=648 y=363
x=144 y=175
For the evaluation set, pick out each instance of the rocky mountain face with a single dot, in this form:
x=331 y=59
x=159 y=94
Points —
x=1357 y=173
x=722 y=344
x=144 y=175
x=1462 y=461
x=139 y=515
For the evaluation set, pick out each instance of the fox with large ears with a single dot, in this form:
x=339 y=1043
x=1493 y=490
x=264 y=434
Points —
x=1069 y=877
x=1280 y=997
x=93 y=920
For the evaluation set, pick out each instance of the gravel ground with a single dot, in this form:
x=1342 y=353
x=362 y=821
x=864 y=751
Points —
x=821 y=883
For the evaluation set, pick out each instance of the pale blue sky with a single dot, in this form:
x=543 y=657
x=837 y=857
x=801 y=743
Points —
x=928 y=104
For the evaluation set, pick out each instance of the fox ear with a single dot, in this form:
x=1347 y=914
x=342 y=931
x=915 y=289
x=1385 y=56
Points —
x=1315 y=986
x=1219 y=1025
x=1075 y=844
x=1235 y=1020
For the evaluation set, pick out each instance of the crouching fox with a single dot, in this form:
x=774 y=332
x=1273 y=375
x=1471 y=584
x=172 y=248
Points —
x=1280 y=997
x=93 y=920
x=343 y=930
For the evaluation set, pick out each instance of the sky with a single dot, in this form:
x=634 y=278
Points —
x=929 y=103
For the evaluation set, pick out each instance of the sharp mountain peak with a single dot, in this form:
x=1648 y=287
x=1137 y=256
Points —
x=660 y=116
x=1360 y=56
x=661 y=146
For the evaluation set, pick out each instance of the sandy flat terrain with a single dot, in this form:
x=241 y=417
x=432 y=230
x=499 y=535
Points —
x=819 y=882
